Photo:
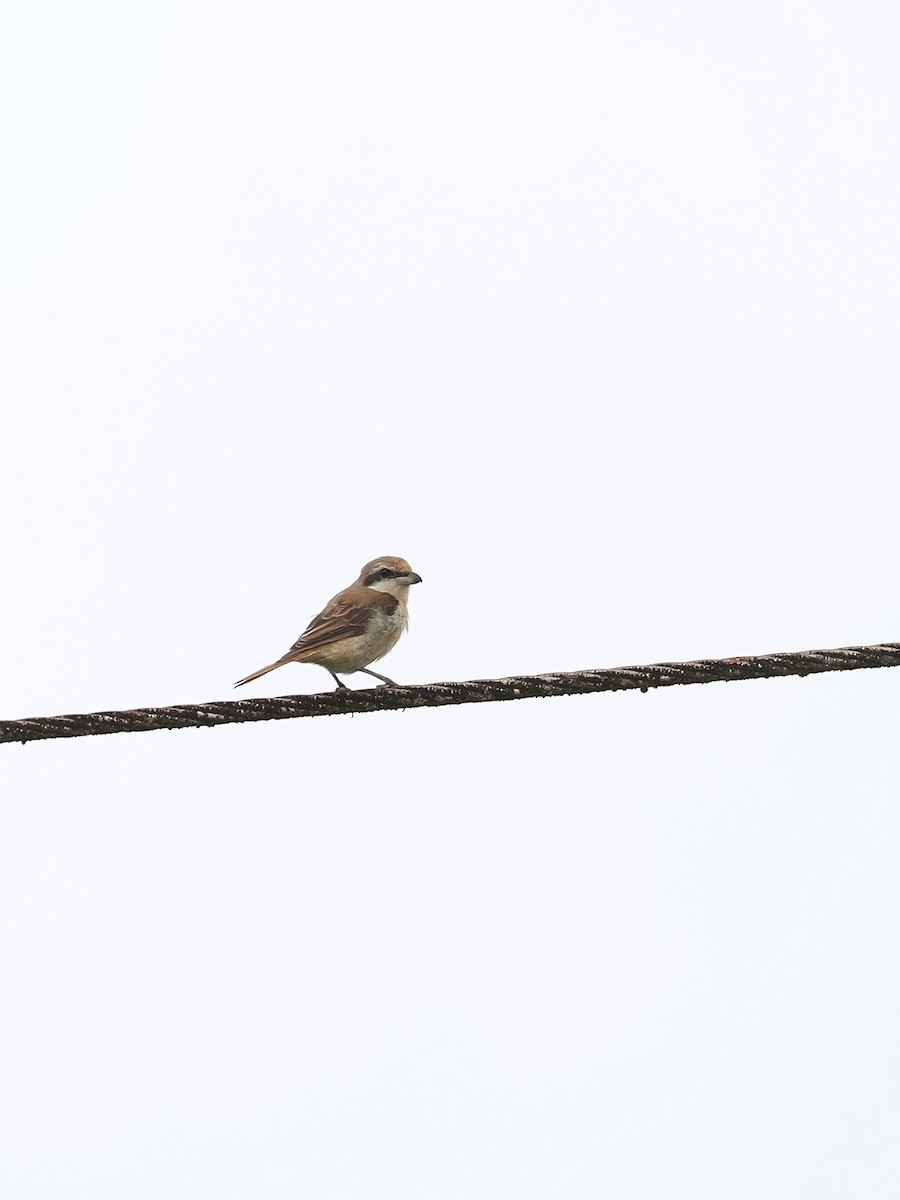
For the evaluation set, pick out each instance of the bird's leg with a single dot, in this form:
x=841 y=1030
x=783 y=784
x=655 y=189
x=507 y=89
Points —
x=375 y=675
x=335 y=678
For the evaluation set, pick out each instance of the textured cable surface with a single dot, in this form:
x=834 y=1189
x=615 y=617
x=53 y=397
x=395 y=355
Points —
x=436 y=695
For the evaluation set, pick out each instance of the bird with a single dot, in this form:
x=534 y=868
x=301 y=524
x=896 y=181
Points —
x=357 y=626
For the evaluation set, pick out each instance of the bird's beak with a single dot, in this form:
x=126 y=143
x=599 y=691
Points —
x=409 y=579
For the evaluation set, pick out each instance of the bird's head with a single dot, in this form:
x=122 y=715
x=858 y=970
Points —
x=392 y=575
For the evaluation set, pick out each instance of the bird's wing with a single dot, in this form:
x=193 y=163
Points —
x=345 y=616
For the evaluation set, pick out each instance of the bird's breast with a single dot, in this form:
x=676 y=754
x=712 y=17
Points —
x=353 y=653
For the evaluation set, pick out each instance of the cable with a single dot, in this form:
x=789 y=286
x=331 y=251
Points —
x=436 y=695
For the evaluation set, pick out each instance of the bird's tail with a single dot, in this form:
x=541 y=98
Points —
x=261 y=671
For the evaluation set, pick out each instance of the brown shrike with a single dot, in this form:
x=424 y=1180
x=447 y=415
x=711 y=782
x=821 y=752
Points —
x=357 y=626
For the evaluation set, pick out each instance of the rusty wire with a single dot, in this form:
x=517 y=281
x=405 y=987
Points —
x=436 y=695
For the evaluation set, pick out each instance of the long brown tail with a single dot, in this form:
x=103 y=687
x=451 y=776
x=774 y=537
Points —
x=262 y=671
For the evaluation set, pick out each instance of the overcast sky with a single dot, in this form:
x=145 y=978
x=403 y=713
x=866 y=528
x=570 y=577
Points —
x=590 y=311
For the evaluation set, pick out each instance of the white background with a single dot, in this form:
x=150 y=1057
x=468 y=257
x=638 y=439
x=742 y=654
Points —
x=590 y=311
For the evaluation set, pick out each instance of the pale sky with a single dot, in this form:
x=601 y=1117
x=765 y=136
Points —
x=590 y=312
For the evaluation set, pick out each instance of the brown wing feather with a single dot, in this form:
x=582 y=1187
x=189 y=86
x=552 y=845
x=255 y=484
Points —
x=346 y=615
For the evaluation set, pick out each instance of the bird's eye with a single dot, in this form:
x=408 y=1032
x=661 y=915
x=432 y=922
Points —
x=385 y=573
